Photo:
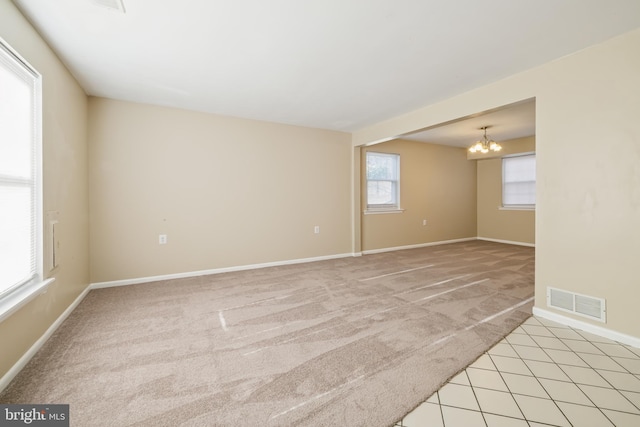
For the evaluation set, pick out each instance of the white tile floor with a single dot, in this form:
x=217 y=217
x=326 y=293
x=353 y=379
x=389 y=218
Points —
x=542 y=374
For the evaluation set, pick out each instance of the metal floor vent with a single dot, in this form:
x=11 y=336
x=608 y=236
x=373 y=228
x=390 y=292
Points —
x=111 y=4
x=582 y=305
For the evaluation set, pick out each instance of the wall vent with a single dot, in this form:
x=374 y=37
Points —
x=111 y=4
x=582 y=305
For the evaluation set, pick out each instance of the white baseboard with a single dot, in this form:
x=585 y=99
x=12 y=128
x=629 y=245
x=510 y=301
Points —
x=139 y=280
x=508 y=242
x=587 y=327
x=26 y=357
x=420 y=245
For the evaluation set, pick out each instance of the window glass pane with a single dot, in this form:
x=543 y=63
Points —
x=519 y=180
x=381 y=166
x=16 y=130
x=381 y=192
x=19 y=178
x=520 y=169
x=17 y=263
x=520 y=193
x=383 y=173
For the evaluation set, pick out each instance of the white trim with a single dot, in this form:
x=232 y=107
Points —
x=524 y=153
x=508 y=242
x=420 y=245
x=383 y=208
x=139 y=280
x=375 y=211
x=517 y=208
x=26 y=357
x=28 y=290
x=12 y=302
x=587 y=327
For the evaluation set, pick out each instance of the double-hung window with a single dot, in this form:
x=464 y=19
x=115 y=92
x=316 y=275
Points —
x=519 y=182
x=20 y=181
x=383 y=181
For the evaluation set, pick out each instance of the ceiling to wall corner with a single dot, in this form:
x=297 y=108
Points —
x=331 y=64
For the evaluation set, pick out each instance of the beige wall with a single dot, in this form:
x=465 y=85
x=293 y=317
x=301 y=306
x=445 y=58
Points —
x=227 y=192
x=494 y=223
x=65 y=187
x=588 y=154
x=588 y=168
x=438 y=184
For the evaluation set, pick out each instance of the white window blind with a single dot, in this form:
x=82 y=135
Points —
x=519 y=181
x=20 y=166
x=383 y=181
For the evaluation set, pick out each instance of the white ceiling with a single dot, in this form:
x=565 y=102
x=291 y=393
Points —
x=333 y=64
x=508 y=122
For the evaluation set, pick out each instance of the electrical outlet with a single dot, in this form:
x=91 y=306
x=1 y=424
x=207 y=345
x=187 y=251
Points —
x=316 y=229
x=424 y=222
x=162 y=239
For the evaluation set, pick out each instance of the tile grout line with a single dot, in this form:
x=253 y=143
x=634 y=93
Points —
x=572 y=380
x=577 y=354
x=597 y=371
x=440 y=407
x=524 y=418
x=507 y=385
x=475 y=397
x=608 y=370
x=553 y=362
x=568 y=376
x=576 y=340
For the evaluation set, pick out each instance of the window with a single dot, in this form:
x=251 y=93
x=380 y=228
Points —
x=20 y=188
x=383 y=181
x=519 y=181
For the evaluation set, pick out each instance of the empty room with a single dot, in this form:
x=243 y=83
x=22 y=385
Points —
x=363 y=213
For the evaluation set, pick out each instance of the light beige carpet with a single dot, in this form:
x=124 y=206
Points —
x=347 y=342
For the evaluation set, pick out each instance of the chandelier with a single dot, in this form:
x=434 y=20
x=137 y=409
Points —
x=485 y=145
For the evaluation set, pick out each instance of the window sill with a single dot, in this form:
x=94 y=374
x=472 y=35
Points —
x=10 y=303
x=382 y=211
x=516 y=208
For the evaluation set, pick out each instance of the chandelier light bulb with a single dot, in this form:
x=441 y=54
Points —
x=485 y=145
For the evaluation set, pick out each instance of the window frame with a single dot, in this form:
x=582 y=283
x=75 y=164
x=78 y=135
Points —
x=14 y=297
x=379 y=207
x=517 y=206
